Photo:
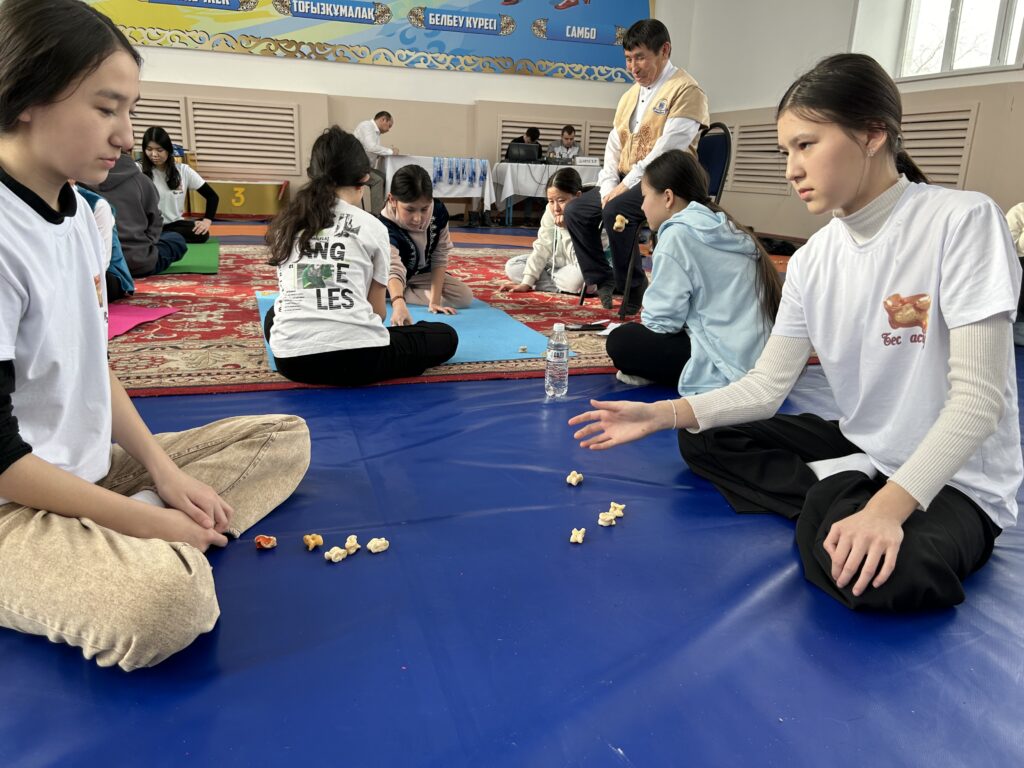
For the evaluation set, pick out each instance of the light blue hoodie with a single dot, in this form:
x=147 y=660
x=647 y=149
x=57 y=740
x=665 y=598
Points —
x=703 y=279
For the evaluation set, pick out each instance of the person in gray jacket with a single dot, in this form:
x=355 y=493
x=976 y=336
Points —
x=147 y=249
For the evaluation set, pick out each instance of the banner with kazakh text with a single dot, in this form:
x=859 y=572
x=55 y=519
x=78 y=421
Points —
x=576 y=39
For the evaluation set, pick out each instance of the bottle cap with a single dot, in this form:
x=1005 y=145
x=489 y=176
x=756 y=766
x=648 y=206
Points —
x=559 y=328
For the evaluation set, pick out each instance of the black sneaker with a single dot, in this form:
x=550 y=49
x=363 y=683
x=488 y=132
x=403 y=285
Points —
x=604 y=293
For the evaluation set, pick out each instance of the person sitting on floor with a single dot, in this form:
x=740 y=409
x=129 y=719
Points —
x=906 y=295
x=173 y=182
x=714 y=291
x=421 y=244
x=333 y=259
x=148 y=248
x=117 y=277
x=103 y=525
x=551 y=266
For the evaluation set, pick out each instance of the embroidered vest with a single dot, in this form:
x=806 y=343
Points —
x=679 y=96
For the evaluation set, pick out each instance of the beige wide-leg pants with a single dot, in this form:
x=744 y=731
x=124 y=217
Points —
x=134 y=602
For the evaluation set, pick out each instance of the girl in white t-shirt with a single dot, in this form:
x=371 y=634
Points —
x=907 y=296
x=100 y=545
x=333 y=258
x=173 y=182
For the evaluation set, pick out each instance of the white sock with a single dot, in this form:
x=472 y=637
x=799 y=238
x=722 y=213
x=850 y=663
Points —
x=633 y=381
x=148 y=496
x=828 y=467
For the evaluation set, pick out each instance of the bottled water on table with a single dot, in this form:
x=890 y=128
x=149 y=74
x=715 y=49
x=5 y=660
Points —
x=556 y=365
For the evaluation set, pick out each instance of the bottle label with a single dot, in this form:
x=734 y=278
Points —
x=558 y=355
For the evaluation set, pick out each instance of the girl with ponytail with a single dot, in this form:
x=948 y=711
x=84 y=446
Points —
x=714 y=291
x=907 y=296
x=332 y=259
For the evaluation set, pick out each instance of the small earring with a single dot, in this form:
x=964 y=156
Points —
x=871 y=152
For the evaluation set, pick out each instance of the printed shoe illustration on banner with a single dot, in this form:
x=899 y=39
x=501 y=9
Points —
x=908 y=311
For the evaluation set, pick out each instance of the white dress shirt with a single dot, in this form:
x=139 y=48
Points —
x=369 y=136
x=679 y=133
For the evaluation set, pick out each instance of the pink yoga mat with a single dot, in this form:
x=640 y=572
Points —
x=123 y=317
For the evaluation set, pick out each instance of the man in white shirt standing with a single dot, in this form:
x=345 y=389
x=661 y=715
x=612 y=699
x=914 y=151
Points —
x=368 y=132
x=665 y=109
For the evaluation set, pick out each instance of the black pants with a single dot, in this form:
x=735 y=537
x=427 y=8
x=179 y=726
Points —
x=114 y=289
x=413 y=349
x=762 y=466
x=637 y=350
x=185 y=228
x=584 y=218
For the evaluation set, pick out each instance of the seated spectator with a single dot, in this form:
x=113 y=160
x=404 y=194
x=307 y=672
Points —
x=551 y=266
x=147 y=249
x=566 y=148
x=532 y=136
x=118 y=280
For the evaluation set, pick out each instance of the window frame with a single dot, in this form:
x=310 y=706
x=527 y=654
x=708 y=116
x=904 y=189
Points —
x=1002 y=34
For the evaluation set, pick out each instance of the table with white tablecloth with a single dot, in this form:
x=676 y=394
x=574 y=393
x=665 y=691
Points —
x=453 y=177
x=517 y=180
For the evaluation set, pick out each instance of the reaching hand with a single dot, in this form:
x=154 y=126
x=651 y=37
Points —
x=618 y=422
x=194 y=498
x=515 y=287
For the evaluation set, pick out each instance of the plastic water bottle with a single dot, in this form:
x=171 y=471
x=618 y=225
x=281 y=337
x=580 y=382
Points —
x=556 y=365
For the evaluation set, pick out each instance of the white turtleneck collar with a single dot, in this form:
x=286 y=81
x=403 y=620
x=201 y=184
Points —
x=866 y=223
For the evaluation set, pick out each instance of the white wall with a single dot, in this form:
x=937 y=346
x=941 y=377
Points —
x=744 y=53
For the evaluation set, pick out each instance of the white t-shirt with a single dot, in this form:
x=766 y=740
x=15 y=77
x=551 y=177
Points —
x=53 y=325
x=172 y=201
x=943 y=260
x=323 y=304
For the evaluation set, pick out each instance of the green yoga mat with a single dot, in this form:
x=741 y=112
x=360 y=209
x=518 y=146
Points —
x=199 y=259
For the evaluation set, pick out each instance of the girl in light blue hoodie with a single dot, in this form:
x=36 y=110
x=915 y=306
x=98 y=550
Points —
x=714 y=291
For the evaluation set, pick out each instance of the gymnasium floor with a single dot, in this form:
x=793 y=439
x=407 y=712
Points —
x=685 y=635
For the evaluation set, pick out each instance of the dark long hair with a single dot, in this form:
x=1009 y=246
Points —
x=45 y=47
x=158 y=135
x=680 y=172
x=566 y=180
x=411 y=183
x=337 y=160
x=854 y=92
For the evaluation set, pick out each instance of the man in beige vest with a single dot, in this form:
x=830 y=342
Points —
x=665 y=109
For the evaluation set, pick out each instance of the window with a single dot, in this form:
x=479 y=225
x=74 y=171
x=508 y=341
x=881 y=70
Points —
x=956 y=35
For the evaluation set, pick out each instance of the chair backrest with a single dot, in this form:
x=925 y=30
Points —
x=714 y=151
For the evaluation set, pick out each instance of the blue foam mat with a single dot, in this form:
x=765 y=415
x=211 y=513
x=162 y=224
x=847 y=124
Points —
x=686 y=635
x=485 y=333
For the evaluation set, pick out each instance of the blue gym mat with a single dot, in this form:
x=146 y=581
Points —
x=485 y=333
x=684 y=636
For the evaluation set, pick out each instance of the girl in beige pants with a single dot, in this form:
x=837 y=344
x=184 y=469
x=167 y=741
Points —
x=101 y=545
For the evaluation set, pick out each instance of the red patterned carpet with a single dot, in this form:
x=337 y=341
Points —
x=213 y=344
